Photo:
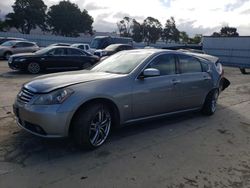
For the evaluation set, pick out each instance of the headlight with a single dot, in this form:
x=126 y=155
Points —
x=104 y=53
x=55 y=97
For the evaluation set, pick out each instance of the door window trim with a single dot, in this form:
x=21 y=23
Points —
x=176 y=72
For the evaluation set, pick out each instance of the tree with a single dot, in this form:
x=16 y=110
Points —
x=125 y=27
x=170 y=32
x=151 y=30
x=66 y=19
x=137 y=31
x=184 y=37
x=27 y=15
x=226 y=32
x=196 y=40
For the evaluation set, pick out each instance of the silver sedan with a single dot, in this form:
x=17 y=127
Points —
x=127 y=87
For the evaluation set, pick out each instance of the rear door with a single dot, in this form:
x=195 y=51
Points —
x=159 y=94
x=74 y=58
x=194 y=82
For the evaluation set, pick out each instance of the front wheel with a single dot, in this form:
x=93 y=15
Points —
x=34 y=68
x=91 y=126
x=243 y=71
x=210 y=104
x=7 y=55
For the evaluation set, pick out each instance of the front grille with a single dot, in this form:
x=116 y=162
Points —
x=25 y=95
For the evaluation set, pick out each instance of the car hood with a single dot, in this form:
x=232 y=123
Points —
x=48 y=83
x=24 y=55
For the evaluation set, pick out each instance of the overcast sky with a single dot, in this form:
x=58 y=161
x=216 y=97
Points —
x=192 y=16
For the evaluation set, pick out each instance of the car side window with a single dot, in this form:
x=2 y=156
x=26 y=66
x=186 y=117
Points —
x=72 y=52
x=81 y=47
x=26 y=44
x=57 y=52
x=189 y=64
x=87 y=47
x=19 y=44
x=164 y=63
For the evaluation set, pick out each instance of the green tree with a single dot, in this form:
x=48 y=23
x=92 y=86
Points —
x=137 y=31
x=226 y=32
x=170 y=31
x=125 y=27
x=66 y=19
x=196 y=39
x=151 y=30
x=184 y=37
x=27 y=15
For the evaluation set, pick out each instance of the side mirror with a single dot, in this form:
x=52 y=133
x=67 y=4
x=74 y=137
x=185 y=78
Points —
x=150 y=72
x=14 y=46
x=49 y=54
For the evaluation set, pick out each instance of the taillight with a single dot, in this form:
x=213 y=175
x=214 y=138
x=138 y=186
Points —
x=219 y=68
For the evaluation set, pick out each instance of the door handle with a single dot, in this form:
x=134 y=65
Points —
x=176 y=82
x=42 y=58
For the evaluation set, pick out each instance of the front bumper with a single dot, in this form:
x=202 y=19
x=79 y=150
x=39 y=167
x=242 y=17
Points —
x=42 y=120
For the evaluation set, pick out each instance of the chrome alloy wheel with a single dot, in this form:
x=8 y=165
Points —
x=34 y=68
x=100 y=127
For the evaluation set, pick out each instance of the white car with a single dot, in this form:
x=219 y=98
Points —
x=84 y=47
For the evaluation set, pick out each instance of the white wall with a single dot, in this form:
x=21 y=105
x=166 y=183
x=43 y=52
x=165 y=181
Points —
x=232 y=51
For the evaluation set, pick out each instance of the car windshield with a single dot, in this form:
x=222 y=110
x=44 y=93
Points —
x=122 y=62
x=8 y=43
x=95 y=43
x=111 y=47
x=43 y=51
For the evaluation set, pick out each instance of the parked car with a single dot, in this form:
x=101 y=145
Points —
x=55 y=57
x=5 y=39
x=14 y=47
x=101 y=42
x=127 y=87
x=59 y=44
x=112 y=49
x=84 y=47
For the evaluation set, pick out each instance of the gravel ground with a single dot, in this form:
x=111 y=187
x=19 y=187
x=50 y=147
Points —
x=188 y=150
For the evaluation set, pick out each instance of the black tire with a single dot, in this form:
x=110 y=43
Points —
x=86 y=126
x=7 y=55
x=243 y=71
x=210 y=104
x=86 y=65
x=34 y=68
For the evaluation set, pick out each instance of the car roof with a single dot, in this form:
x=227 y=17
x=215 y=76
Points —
x=79 y=44
x=197 y=55
x=17 y=41
x=68 y=47
x=116 y=45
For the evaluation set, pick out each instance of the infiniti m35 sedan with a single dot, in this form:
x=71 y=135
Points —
x=127 y=87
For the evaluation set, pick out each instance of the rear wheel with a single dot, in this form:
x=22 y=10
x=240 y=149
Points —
x=210 y=104
x=86 y=65
x=91 y=126
x=34 y=68
x=243 y=71
x=7 y=55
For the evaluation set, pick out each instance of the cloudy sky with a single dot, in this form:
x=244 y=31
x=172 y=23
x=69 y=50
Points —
x=192 y=16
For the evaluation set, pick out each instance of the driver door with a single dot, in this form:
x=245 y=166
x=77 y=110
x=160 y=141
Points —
x=159 y=94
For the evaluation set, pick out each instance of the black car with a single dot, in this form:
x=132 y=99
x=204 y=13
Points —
x=52 y=58
x=112 y=49
x=59 y=44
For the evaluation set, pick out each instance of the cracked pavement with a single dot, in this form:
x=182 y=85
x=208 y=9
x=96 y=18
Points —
x=188 y=150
